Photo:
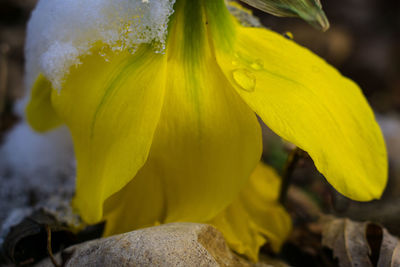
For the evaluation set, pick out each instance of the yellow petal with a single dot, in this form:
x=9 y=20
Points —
x=255 y=217
x=111 y=105
x=309 y=103
x=40 y=114
x=141 y=203
x=206 y=145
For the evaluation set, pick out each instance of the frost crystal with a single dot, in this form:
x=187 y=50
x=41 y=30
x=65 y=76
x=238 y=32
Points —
x=60 y=31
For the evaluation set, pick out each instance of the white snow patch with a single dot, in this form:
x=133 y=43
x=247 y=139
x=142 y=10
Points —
x=60 y=31
x=29 y=152
x=34 y=167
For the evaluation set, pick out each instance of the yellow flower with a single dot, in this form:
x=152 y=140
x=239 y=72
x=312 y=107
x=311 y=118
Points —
x=172 y=137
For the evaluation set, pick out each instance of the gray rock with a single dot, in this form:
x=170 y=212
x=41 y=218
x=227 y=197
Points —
x=175 y=244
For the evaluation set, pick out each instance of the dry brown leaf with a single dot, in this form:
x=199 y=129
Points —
x=348 y=241
x=360 y=243
x=390 y=251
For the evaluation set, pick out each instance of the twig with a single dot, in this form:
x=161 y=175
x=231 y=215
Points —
x=49 y=249
x=288 y=170
x=4 y=48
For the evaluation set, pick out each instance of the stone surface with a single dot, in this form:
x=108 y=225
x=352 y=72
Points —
x=176 y=244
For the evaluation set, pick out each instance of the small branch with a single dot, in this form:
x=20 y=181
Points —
x=4 y=49
x=49 y=249
x=288 y=170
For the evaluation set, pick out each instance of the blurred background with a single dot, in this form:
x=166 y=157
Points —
x=363 y=43
x=14 y=15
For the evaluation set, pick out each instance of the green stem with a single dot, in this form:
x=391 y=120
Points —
x=288 y=170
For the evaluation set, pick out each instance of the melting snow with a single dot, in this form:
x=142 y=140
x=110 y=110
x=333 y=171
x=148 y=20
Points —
x=60 y=31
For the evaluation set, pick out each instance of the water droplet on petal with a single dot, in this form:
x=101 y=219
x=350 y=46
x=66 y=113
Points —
x=257 y=65
x=245 y=79
x=132 y=50
x=104 y=56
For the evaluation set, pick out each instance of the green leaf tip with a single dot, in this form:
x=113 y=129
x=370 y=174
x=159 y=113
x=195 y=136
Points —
x=309 y=10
